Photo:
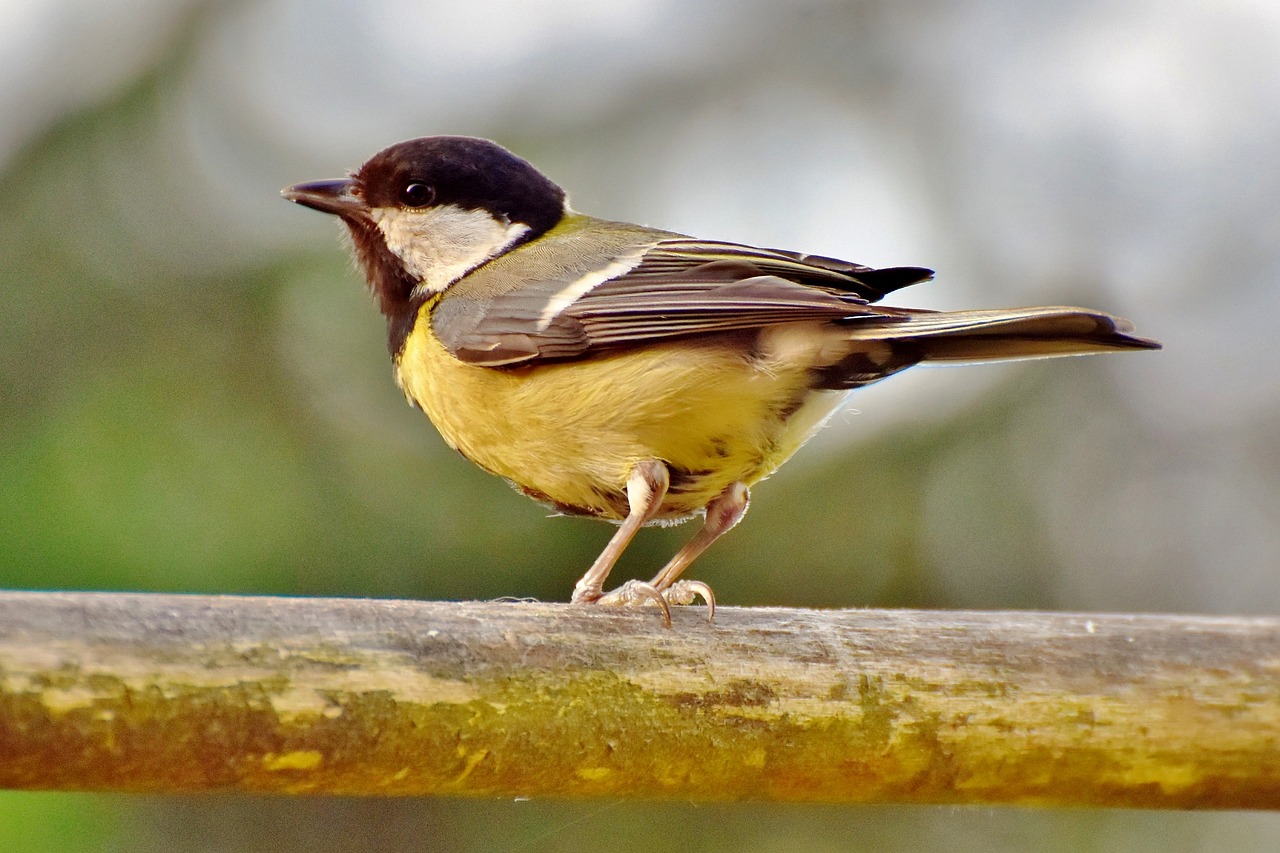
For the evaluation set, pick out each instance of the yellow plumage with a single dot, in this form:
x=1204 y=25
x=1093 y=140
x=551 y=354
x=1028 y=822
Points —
x=570 y=433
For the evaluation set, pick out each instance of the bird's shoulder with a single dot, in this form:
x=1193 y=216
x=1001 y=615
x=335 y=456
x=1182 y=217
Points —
x=576 y=247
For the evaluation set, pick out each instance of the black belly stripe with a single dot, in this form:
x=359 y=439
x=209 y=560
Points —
x=684 y=480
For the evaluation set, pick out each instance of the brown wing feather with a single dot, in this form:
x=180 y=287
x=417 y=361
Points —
x=676 y=286
x=631 y=310
x=677 y=256
x=566 y=300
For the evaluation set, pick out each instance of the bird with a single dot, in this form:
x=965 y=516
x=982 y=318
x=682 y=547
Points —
x=629 y=373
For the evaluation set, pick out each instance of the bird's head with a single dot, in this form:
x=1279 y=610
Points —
x=425 y=212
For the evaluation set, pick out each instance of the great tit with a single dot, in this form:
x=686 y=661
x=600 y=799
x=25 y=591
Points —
x=627 y=373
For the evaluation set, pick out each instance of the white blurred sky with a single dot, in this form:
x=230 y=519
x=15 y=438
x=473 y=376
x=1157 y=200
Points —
x=1122 y=153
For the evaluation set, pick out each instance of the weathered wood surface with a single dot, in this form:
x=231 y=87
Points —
x=125 y=692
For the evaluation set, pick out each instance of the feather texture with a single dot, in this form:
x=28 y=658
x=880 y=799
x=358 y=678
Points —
x=590 y=285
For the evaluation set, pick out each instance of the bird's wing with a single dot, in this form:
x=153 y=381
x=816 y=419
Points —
x=677 y=256
x=669 y=288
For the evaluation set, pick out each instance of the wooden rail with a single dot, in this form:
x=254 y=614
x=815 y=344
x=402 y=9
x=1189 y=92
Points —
x=128 y=692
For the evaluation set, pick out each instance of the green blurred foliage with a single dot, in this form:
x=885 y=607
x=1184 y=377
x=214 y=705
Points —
x=159 y=433
x=52 y=823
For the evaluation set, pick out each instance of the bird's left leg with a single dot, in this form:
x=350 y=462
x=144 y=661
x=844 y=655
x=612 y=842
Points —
x=647 y=485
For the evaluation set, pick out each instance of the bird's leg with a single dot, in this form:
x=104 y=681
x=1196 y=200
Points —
x=723 y=514
x=646 y=487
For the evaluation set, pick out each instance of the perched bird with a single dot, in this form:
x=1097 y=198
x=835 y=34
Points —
x=627 y=373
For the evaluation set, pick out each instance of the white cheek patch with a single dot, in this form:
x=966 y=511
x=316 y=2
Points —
x=439 y=245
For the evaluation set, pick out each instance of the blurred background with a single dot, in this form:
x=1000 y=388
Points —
x=195 y=393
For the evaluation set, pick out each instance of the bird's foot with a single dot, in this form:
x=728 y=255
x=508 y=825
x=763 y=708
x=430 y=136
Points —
x=637 y=593
x=687 y=592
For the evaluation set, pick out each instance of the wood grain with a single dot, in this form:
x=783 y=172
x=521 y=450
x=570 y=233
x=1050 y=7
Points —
x=128 y=692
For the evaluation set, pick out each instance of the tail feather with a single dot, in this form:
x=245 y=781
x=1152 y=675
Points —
x=1000 y=334
x=893 y=339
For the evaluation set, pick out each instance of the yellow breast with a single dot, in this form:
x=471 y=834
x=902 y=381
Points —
x=569 y=433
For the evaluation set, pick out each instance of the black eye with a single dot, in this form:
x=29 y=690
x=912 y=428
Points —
x=417 y=195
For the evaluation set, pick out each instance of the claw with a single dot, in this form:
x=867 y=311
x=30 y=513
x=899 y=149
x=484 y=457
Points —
x=633 y=593
x=687 y=591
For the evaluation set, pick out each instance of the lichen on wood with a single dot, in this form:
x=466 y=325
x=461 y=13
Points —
x=128 y=692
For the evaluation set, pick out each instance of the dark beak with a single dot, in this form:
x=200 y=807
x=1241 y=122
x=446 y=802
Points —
x=337 y=197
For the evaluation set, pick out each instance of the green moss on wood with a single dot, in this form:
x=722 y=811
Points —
x=554 y=701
